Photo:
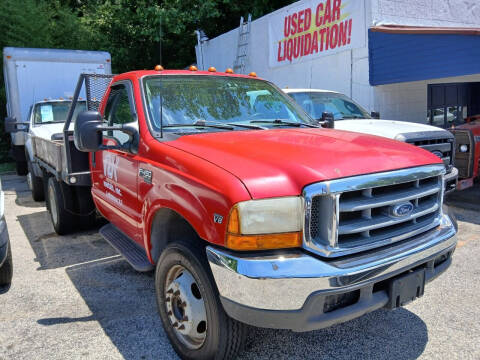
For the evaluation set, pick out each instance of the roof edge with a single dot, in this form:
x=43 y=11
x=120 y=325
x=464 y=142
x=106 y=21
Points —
x=406 y=29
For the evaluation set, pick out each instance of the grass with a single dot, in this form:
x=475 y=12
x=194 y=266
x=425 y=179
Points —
x=7 y=167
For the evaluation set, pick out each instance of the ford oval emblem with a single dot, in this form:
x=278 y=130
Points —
x=438 y=153
x=402 y=209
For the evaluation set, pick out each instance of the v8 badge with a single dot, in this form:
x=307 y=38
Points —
x=218 y=219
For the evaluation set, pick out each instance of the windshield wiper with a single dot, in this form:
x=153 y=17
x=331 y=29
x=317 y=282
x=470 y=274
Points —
x=248 y=126
x=202 y=123
x=283 y=122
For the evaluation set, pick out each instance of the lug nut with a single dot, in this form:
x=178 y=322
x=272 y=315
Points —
x=182 y=327
x=175 y=324
x=176 y=293
x=169 y=291
x=167 y=299
x=169 y=313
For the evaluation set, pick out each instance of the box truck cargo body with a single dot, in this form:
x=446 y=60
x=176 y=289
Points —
x=32 y=75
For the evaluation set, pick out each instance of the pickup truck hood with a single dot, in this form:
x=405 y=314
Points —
x=386 y=128
x=281 y=162
x=46 y=131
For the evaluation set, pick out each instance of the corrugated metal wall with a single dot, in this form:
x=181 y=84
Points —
x=395 y=58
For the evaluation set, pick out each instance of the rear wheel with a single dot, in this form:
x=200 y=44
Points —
x=22 y=168
x=190 y=308
x=35 y=183
x=62 y=220
x=6 y=271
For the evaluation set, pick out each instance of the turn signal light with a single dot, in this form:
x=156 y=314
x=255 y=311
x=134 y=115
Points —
x=212 y=69
x=229 y=71
x=192 y=68
x=264 y=242
x=158 y=68
x=253 y=74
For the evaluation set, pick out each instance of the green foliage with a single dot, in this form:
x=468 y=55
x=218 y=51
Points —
x=128 y=29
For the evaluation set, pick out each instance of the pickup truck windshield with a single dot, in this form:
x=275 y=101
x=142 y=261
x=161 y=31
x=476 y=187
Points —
x=55 y=111
x=342 y=107
x=190 y=101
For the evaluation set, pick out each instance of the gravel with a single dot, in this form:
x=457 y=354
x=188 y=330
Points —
x=75 y=297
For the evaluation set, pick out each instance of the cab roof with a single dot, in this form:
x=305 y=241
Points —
x=141 y=73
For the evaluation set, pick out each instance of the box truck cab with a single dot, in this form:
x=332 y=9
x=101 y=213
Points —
x=348 y=115
x=32 y=75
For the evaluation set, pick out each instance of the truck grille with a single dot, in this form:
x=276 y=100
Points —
x=443 y=148
x=355 y=214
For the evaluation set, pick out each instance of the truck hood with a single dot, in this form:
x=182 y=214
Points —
x=281 y=162
x=387 y=128
x=46 y=131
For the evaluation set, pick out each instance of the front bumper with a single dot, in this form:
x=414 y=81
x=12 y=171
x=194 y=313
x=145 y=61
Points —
x=298 y=291
x=450 y=180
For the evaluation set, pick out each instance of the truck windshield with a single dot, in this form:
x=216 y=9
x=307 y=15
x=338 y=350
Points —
x=342 y=107
x=55 y=111
x=191 y=101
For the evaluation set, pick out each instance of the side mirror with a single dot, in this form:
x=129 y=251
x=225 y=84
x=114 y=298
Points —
x=87 y=133
x=327 y=120
x=10 y=125
x=375 y=114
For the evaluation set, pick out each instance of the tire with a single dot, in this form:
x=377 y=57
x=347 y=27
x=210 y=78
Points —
x=62 y=220
x=223 y=337
x=6 y=271
x=36 y=184
x=22 y=168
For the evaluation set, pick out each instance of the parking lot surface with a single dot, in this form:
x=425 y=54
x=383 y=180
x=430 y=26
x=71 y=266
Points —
x=75 y=297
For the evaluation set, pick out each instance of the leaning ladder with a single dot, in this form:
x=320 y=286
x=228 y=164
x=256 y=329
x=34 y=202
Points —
x=242 y=45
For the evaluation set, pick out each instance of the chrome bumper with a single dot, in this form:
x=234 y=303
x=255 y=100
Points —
x=285 y=281
x=450 y=180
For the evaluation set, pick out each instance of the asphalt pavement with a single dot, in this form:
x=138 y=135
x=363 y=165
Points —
x=74 y=297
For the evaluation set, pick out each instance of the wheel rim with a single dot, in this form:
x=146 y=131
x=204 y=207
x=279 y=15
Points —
x=185 y=307
x=53 y=204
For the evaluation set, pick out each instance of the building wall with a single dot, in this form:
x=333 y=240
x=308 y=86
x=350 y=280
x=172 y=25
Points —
x=408 y=101
x=347 y=71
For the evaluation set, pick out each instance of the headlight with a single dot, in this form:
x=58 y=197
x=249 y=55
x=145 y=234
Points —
x=266 y=224
x=463 y=148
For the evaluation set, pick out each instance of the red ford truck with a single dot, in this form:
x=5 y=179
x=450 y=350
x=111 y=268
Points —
x=248 y=211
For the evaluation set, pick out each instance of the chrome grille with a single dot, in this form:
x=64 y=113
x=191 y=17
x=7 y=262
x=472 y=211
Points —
x=355 y=214
x=443 y=146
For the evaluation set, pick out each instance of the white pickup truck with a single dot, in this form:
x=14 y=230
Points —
x=46 y=120
x=350 y=116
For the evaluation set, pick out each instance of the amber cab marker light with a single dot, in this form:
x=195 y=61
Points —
x=253 y=74
x=158 y=68
x=212 y=69
x=193 y=68
x=229 y=71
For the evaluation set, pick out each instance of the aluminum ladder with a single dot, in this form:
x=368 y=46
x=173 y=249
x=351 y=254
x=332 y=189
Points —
x=242 y=45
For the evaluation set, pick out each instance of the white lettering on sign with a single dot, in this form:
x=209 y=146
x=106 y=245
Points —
x=110 y=165
x=313 y=28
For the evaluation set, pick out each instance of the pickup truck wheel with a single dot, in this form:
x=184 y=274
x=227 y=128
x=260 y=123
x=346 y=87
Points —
x=190 y=308
x=6 y=271
x=22 y=168
x=35 y=184
x=62 y=220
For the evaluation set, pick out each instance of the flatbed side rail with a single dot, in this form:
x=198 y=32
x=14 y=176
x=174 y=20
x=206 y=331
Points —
x=95 y=87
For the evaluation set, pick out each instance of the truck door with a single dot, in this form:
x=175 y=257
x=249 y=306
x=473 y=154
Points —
x=116 y=172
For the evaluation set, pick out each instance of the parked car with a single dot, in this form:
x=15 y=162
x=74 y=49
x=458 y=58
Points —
x=247 y=210
x=6 y=264
x=348 y=115
x=32 y=75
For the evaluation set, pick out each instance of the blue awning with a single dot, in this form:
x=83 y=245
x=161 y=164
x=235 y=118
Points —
x=399 y=54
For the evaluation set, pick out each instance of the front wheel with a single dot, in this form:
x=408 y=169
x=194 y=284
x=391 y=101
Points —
x=6 y=271
x=21 y=167
x=35 y=184
x=190 y=308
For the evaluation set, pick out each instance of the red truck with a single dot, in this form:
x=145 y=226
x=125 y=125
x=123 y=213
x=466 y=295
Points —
x=467 y=151
x=248 y=211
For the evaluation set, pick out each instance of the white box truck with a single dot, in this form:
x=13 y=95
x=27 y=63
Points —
x=33 y=75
